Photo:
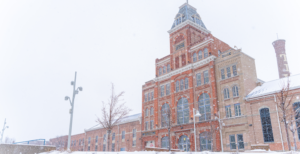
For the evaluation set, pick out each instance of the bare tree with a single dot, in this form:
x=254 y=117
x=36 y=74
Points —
x=284 y=99
x=9 y=140
x=112 y=112
x=60 y=142
x=167 y=122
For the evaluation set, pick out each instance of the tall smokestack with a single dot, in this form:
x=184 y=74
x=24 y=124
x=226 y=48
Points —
x=283 y=67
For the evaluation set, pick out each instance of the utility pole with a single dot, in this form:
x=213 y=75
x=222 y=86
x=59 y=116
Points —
x=3 y=131
x=73 y=83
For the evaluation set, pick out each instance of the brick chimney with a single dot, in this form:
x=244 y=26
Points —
x=283 y=67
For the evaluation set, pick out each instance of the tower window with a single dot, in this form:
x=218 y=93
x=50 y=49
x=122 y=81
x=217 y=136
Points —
x=205 y=53
x=200 y=55
x=168 y=68
x=198 y=76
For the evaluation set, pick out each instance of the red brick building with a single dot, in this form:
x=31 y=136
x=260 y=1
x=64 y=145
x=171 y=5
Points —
x=185 y=80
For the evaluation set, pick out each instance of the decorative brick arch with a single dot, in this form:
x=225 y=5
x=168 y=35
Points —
x=164 y=104
x=183 y=96
x=179 y=38
x=205 y=91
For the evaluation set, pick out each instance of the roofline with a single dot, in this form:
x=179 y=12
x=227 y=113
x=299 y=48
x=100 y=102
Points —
x=269 y=93
x=129 y=121
x=190 y=23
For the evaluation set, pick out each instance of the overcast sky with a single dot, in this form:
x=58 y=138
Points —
x=43 y=43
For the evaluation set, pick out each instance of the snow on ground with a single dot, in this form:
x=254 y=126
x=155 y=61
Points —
x=153 y=152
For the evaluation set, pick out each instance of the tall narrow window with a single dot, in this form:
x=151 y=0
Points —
x=177 y=86
x=151 y=95
x=200 y=55
x=165 y=115
x=232 y=141
x=162 y=91
x=151 y=124
x=240 y=141
x=204 y=107
x=165 y=142
x=165 y=69
x=186 y=83
x=96 y=140
x=183 y=60
x=104 y=142
x=113 y=147
x=228 y=72
x=146 y=125
x=104 y=146
x=89 y=141
x=134 y=143
x=198 y=76
x=96 y=147
x=151 y=111
x=226 y=93
x=235 y=91
x=123 y=134
x=234 y=70
x=146 y=113
x=134 y=132
x=182 y=111
x=145 y=97
x=160 y=71
x=237 y=109
x=205 y=53
x=168 y=89
x=206 y=77
x=194 y=57
x=205 y=141
x=168 y=68
x=219 y=53
x=222 y=74
x=266 y=125
x=296 y=105
x=228 y=111
x=181 y=84
x=113 y=136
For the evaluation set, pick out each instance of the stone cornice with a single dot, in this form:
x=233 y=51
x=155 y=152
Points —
x=197 y=46
x=185 y=68
x=190 y=23
x=163 y=61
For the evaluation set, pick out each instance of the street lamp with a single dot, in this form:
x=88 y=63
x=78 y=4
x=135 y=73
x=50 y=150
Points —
x=195 y=115
x=73 y=83
x=3 y=131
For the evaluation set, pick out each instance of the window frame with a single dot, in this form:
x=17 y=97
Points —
x=235 y=91
x=183 y=110
x=226 y=93
x=177 y=85
x=266 y=124
x=204 y=107
x=222 y=74
x=232 y=143
x=186 y=83
x=198 y=79
x=228 y=111
x=234 y=70
x=237 y=110
x=123 y=134
x=228 y=72
x=195 y=57
x=200 y=56
x=205 y=52
x=162 y=90
x=181 y=85
x=206 y=77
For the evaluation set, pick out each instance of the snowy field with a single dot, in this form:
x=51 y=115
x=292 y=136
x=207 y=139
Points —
x=152 y=152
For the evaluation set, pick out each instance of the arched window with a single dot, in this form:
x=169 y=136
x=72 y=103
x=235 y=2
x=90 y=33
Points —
x=165 y=142
x=200 y=55
x=186 y=83
x=266 y=125
x=184 y=143
x=204 y=107
x=297 y=116
x=165 y=69
x=168 y=68
x=205 y=53
x=226 y=93
x=177 y=86
x=235 y=91
x=165 y=115
x=181 y=84
x=160 y=71
x=194 y=57
x=182 y=111
x=151 y=111
x=205 y=141
x=146 y=112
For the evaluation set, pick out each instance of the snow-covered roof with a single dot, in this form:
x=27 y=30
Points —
x=127 y=119
x=274 y=86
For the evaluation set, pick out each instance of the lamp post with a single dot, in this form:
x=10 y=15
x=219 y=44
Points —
x=3 y=131
x=73 y=83
x=195 y=115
